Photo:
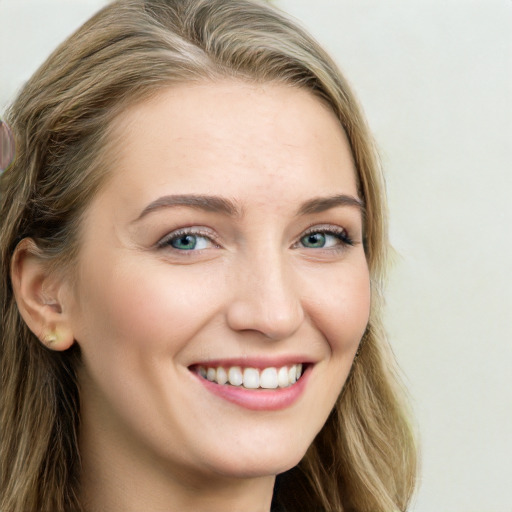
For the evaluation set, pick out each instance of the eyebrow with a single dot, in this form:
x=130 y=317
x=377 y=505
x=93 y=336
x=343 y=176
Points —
x=228 y=207
x=214 y=204
x=322 y=204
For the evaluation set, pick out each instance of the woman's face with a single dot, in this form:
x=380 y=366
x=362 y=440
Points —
x=227 y=244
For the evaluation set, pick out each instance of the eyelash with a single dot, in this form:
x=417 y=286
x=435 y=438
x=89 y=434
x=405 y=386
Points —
x=337 y=232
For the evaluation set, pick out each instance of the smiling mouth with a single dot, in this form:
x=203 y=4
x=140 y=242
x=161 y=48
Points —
x=251 y=378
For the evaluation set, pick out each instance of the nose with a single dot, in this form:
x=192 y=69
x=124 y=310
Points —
x=265 y=298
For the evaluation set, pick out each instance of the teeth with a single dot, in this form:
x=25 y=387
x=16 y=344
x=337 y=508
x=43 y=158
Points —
x=235 y=376
x=222 y=376
x=282 y=377
x=268 y=378
x=292 y=374
x=252 y=378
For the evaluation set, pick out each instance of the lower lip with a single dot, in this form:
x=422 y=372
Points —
x=259 y=399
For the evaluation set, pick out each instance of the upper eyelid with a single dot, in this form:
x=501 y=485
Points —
x=324 y=227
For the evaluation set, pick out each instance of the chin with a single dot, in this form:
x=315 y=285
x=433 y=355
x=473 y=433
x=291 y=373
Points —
x=256 y=463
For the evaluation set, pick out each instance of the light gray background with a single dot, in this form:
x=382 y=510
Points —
x=435 y=79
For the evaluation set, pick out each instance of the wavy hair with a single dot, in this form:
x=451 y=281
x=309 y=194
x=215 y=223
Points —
x=364 y=458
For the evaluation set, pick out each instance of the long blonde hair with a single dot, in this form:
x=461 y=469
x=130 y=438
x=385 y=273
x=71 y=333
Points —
x=364 y=458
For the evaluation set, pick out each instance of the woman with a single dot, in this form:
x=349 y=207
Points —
x=193 y=241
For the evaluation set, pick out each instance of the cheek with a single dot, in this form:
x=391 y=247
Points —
x=342 y=309
x=147 y=310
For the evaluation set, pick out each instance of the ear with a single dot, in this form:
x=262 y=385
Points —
x=40 y=296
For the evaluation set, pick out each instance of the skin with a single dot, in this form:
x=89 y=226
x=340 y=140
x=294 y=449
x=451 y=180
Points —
x=153 y=437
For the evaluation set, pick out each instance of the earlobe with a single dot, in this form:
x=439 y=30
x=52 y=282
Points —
x=39 y=298
x=59 y=338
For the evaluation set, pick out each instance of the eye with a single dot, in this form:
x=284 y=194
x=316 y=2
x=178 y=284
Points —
x=186 y=240
x=189 y=242
x=325 y=238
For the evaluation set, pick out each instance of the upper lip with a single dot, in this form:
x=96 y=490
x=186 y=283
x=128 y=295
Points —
x=255 y=362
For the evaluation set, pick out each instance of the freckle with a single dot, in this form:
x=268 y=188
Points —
x=6 y=146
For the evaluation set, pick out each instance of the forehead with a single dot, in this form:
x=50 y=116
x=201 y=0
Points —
x=231 y=138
